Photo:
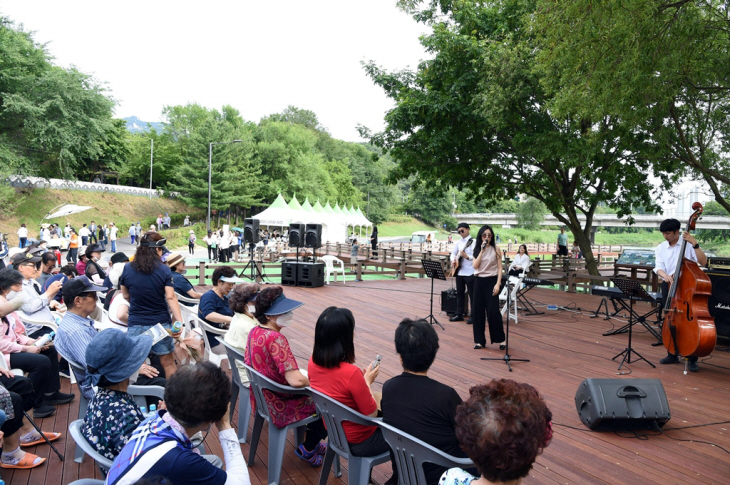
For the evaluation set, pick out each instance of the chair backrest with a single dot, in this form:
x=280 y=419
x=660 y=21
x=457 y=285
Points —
x=35 y=321
x=234 y=355
x=334 y=413
x=75 y=430
x=138 y=393
x=411 y=453
x=186 y=299
x=259 y=382
x=205 y=327
x=75 y=367
x=328 y=261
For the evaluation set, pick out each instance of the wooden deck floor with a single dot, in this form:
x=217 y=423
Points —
x=564 y=348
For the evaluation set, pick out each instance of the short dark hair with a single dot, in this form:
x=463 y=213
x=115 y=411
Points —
x=417 y=343
x=334 y=335
x=48 y=257
x=9 y=277
x=265 y=299
x=198 y=394
x=502 y=427
x=669 y=225
x=238 y=300
x=225 y=271
x=69 y=270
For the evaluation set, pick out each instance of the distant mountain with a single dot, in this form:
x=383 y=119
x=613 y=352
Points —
x=135 y=125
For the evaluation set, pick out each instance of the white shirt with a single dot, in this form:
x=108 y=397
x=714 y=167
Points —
x=521 y=260
x=23 y=232
x=117 y=301
x=84 y=232
x=667 y=256
x=113 y=233
x=467 y=265
x=210 y=240
x=67 y=231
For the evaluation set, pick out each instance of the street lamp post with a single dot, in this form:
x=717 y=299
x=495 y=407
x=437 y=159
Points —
x=152 y=151
x=210 y=173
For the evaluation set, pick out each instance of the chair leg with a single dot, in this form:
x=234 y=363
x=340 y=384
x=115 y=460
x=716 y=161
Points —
x=83 y=406
x=357 y=471
x=234 y=396
x=338 y=467
x=329 y=457
x=299 y=433
x=277 y=442
x=244 y=415
x=258 y=424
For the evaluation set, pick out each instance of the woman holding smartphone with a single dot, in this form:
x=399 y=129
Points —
x=487 y=282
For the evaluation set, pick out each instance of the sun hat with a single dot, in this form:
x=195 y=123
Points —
x=282 y=305
x=230 y=279
x=115 y=355
x=174 y=259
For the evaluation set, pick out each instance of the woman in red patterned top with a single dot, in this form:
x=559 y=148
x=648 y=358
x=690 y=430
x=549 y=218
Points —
x=268 y=352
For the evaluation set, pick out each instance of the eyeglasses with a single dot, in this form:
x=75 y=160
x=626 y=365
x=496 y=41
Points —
x=91 y=294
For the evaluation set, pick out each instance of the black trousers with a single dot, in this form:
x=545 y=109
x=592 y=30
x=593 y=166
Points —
x=42 y=371
x=72 y=254
x=375 y=247
x=464 y=289
x=92 y=237
x=562 y=250
x=191 y=247
x=665 y=294
x=84 y=240
x=316 y=432
x=21 y=392
x=485 y=308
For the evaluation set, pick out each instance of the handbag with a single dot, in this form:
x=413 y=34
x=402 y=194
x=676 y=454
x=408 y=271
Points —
x=189 y=349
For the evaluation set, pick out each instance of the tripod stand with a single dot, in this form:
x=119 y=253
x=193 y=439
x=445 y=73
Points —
x=634 y=291
x=507 y=358
x=255 y=270
x=433 y=270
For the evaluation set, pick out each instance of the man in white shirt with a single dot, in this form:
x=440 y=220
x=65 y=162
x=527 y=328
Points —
x=113 y=236
x=22 y=236
x=84 y=233
x=464 y=252
x=667 y=255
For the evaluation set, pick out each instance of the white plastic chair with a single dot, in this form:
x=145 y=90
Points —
x=515 y=282
x=4 y=365
x=187 y=299
x=204 y=327
x=329 y=262
x=37 y=321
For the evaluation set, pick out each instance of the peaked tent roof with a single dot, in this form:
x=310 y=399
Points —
x=307 y=207
x=294 y=203
x=317 y=207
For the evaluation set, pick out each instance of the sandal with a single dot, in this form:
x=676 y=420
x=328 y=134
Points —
x=40 y=441
x=321 y=449
x=309 y=456
x=25 y=463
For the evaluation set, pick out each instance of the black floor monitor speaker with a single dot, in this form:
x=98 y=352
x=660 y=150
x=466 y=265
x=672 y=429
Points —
x=622 y=404
x=719 y=302
x=251 y=231
x=310 y=275
x=448 y=300
x=313 y=238
x=296 y=235
x=289 y=273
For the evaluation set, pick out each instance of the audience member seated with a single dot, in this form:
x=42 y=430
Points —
x=417 y=404
x=243 y=304
x=93 y=269
x=332 y=372
x=146 y=284
x=63 y=275
x=41 y=363
x=34 y=305
x=521 y=261
x=195 y=398
x=81 y=263
x=16 y=396
x=76 y=332
x=48 y=262
x=116 y=306
x=111 y=358
x=502 y=427
x=176 y=262
x=116 y=258
x=214 y=308
x=268 y=352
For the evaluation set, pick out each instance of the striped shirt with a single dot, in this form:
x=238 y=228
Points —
x=74 y=335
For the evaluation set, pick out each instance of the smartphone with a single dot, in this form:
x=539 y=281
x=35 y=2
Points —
x=157 y=332
x=376 y=362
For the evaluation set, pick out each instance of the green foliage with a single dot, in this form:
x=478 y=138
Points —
x=530 y=214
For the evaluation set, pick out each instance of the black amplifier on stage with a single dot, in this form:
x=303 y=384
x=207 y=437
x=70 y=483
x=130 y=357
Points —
x=448 y=300
x=302 y=274
x=719 y=301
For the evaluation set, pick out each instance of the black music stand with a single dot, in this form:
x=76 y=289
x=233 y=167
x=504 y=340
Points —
x=507 y=359
x=634 y=291
x=433 y=270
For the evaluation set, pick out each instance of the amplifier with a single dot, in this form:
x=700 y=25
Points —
x=621 y=404
x=718 y=263
x=719 y=302
x=448 y=300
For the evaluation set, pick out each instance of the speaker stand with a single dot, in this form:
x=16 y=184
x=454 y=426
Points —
x=251 y=265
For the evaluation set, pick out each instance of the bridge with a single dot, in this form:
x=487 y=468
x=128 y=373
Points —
x=599 y=220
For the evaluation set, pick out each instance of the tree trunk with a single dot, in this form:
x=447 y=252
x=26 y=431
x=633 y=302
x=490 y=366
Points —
x=581 y=235
x=237 y=216
x=228 y=213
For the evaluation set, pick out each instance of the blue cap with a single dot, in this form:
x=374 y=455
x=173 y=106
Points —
x=115 y=355
x=283 y=305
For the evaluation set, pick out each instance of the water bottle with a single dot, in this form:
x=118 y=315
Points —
x=176 y=327
x=143 y=409
x=153 y=410
x=44 y=339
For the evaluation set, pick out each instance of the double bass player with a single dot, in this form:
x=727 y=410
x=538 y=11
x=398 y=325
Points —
x=667 y=255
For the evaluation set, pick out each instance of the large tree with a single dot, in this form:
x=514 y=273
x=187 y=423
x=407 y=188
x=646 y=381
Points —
x=661 y=66
x=474 y=116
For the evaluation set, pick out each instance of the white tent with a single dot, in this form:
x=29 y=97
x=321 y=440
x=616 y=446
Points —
x=277 y=214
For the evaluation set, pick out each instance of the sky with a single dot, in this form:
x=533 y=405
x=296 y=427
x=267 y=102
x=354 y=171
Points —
x=258 y=57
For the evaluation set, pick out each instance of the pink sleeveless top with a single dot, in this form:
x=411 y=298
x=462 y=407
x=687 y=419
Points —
x=489 y=265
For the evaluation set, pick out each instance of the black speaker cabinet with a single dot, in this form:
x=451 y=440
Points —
x=289 y=273
x=619 y=404
x=719 y=302
x=448 y=300
x=251 y=231
x=310 y=275
x=296 y=235
x=313 y=238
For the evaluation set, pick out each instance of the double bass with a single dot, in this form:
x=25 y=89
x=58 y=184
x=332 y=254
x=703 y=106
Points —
x=689 y=329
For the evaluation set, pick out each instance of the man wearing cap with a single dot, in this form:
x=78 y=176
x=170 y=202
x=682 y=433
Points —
x=113 y=236
x=94 y=271
x=182 y=286
x=76 y=329
x=463 y=252
x=34 y=305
